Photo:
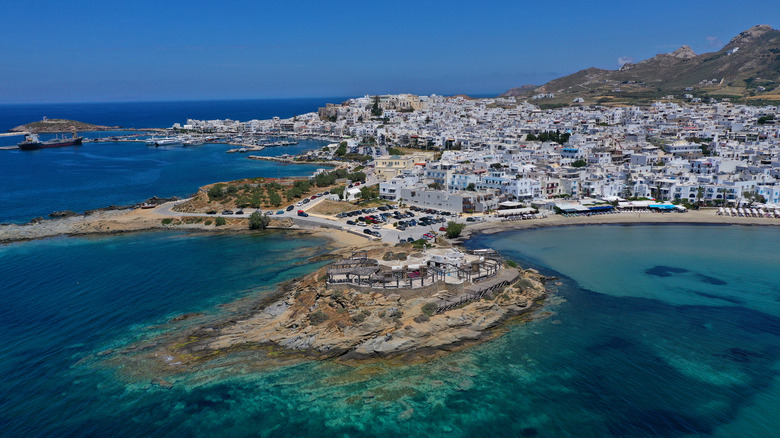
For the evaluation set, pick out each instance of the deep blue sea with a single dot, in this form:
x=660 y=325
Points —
x=94 y=175
x=665 y=331
x=159 y=114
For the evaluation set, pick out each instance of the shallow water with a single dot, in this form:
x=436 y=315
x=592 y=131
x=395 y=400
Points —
x=651 y=356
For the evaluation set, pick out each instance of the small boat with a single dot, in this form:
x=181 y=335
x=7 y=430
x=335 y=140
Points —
x=32 y=142
x=193 y=141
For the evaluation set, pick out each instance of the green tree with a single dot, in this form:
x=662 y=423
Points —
x=216 y=192
x=339 y=191
x=454 y=229
x=369 y=192
x=375 y=110
x=218 y=222
x=342 y=149
x=579 y=163
x=471 y=187
x=258 y=221
x=356 y=176
x=275 y=199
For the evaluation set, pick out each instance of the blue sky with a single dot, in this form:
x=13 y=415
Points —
x=78 y=51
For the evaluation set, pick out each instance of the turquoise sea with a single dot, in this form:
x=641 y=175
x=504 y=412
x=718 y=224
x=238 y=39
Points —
x=669 y=330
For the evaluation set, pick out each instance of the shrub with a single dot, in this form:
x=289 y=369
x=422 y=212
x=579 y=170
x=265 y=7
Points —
x=208 y=222
x=360 y=317
x=421 y=318
x=429 y=309
x=220 y=221
x=318 y=317
x=524 y=283
x=167 y=221
x=511 y=264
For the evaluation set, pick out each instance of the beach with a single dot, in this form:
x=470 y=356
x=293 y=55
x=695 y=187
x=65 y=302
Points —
x=689 y=217
x=130 y=220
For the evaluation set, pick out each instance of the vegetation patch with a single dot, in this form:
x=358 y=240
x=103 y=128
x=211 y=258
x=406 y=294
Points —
x=318 y=317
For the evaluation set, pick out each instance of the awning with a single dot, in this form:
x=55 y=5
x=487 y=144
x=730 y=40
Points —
x=515 y=211
x=662 y=206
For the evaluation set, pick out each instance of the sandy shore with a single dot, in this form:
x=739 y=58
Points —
x=690 y=217
x=122 y=221
x=132 y=220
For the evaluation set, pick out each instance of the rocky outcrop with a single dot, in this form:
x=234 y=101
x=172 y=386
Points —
x=357 y=323
x=684 y=52
x=63 y=213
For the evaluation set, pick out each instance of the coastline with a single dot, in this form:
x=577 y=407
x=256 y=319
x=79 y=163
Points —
x=702 y=217
x=281 y=326
x=132 y=220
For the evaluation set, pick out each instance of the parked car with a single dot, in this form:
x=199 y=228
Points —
x=351 y=223
x=442 y=228
x=367 y=231
x=376 y=233
x=280 y=212
x=240 y=212
x=290 y=207
x=377 y=227
x=303 y=213
x=227 y=212
x=211 y=212
x=471 y=219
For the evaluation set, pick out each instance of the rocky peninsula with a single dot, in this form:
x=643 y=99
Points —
x=319 y=317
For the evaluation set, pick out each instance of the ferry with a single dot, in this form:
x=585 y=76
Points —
x=165 y=141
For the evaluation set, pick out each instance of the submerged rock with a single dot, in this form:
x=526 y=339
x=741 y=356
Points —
x=164 y=384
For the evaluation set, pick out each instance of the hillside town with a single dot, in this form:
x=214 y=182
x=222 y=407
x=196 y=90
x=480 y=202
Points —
x=466 y=155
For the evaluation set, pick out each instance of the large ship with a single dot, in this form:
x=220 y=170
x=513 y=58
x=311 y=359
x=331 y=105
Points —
x=31 y=142
x=165 y=141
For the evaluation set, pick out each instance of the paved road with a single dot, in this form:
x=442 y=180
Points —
x=388 y=232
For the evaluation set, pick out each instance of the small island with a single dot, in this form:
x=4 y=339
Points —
x=374 y=303
x=53 y=126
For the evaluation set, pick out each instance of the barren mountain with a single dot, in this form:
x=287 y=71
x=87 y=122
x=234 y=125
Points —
x=747 y=68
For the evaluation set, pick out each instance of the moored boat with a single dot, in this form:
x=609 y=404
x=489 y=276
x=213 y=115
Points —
x=32 y=142
x=165 y=141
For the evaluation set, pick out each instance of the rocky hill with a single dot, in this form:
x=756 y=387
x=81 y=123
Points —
x=60 y=125
x=746 y=69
